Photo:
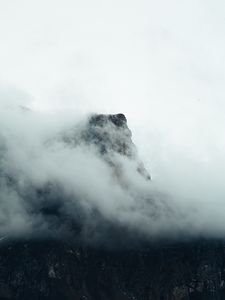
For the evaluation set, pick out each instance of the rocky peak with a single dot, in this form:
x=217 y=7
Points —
x=118 y=120
x=110 y=133
x=110 y=136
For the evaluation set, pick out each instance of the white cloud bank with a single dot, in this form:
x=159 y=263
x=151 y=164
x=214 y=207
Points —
x=162 y=64
x=41 y=172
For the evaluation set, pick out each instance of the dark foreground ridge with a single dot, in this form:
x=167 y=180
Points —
x=64 y=267
x=54 y=270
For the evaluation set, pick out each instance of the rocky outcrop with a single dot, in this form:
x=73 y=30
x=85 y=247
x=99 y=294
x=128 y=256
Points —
x=111 y=136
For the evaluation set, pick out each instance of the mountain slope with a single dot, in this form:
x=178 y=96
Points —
x=81 y=251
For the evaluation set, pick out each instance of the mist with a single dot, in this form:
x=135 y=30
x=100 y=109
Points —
x=61 y=62
x=47 y=183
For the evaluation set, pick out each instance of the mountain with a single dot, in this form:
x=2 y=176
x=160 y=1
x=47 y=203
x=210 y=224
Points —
x=82 y=254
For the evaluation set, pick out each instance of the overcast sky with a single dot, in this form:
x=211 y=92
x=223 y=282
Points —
x=114 y=55
x=159 y=62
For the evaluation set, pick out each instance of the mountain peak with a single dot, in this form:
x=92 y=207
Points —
x=118 y=120
x=111 y=135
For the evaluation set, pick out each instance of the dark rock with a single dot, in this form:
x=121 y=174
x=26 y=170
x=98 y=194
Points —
x=55 y=270
x=110 y=136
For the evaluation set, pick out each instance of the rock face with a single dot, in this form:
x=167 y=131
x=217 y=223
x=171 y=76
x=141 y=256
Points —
x=67 y=268
x=110 y=135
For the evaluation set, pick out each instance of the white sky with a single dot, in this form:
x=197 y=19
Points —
x=159 y=62
x=108 y=54
x=162 y=63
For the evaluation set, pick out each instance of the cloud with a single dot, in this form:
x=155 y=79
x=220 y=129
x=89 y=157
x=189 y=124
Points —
x=56 y=177
x=163 y=71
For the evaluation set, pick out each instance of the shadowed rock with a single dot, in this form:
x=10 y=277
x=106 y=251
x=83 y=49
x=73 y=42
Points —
x=111 y=136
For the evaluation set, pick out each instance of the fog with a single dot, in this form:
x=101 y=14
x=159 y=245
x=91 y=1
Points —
x=45 y=167
x=162 y=65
